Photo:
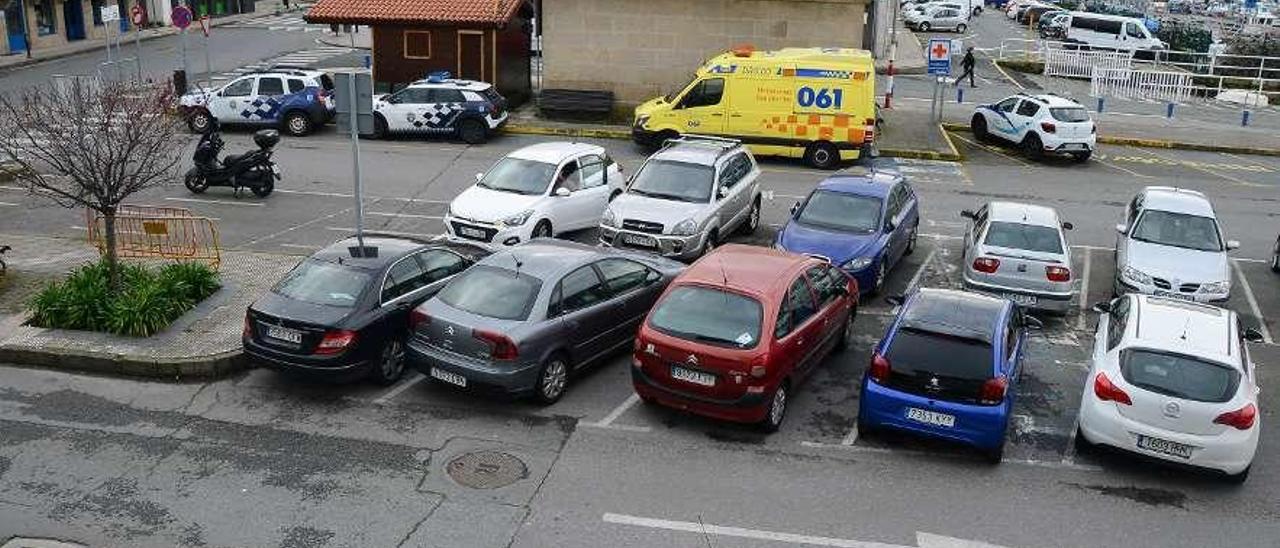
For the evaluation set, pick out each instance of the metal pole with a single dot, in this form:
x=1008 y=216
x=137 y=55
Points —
x=208 y=67
x=185 y=73
x=354 y=122
x=137 y=43
x=893 y=54
x=106 y=39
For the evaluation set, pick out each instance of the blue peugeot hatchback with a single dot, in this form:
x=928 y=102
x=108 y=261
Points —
x=947 y=368
x=865 y=221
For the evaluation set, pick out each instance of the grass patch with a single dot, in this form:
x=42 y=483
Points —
x=147 y=302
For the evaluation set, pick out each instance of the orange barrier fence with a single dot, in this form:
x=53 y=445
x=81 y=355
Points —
x=158 y=232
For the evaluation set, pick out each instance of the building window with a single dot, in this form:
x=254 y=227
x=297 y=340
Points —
x=44 y=17
x=417 y=44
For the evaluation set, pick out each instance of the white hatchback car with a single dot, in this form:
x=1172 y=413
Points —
x=1171 y=245
x=1040 y=124
x=1172 y=380
x=537 y=191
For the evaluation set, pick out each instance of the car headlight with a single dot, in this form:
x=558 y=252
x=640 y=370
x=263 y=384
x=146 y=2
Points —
x=857 y=263
x=517 y=219
x=687 y=227
x=642 y=120
x=609 y=218
x=1134 y=275
x=1216 y=287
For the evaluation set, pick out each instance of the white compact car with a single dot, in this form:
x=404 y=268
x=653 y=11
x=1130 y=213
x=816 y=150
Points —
x=1171 y=245
x=1040 y=124
x=537 y=191
x=1172 y=380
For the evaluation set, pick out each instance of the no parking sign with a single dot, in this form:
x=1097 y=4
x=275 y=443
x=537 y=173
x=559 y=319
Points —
x=181 y=16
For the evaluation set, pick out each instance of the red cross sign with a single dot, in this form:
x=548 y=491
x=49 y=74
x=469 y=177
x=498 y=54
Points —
x=939 y=50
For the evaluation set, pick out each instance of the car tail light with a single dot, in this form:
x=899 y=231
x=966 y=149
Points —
x=1057 y=273
x=493 y=110
x=1105 y=391
x=1240 y=419
x=879 y=368
x=335 y=341
x=986 y=264
x=868 y=130
x=1048 y=127
x=418 y=318
x=993 y=390
x=501 y=346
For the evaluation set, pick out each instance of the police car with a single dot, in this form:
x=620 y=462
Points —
x=1040 y=124
x=441 y=105
x=298 y=100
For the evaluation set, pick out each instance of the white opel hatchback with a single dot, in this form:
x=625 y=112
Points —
x=1172 y=380
x=536 y=192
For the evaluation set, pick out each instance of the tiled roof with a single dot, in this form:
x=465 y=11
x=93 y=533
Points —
x=390 y=12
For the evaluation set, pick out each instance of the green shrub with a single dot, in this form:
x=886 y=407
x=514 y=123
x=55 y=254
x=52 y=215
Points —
x=147 y=302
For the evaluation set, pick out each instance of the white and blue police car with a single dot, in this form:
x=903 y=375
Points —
x=440 y=105
x=297 y=100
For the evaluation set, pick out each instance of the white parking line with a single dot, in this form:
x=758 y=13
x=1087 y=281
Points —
x=619 y=410
x=219 y=202
x=1253 y=303
x=1081 y=319
x=947 y=456
x=350 y=230
x=8 y=204
x=852 y=437
x=706 y=530
x=915 y=279
x=300 y=246
x=397 y=389
x=403 y=215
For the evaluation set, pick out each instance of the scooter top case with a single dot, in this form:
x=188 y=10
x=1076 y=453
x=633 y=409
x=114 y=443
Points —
x=266 y=138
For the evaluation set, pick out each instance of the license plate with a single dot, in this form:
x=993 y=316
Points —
x=1164 y=446
x=1020 y=299
x=636 y=239
x=1172 y=295
x=471 y=232
x=284 y=334
x=451 y=378
x=1073 y=146
x=695 y=377
x=931 y=417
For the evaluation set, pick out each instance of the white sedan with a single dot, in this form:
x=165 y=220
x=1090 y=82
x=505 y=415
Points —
x=538 y=191
x=1172 y=380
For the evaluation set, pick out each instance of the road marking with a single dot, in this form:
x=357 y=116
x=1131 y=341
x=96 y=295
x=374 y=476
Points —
x=300 y=246
x=350 y=230
x=1006 y=75
x=915 y=279
x=993 y=150
x=1265 y=168
x=1253 y=303
x=1197 y=166
x=403 y=215
x=1081 y=319
x=219 y=202
x=1126 y=170
x=299 y=225
x=852 y=437
x=345 y=195
x=1069 y=457
x=397 y=389
x=8 y=204
x=947 y=456
x=618 y=411
x=622 y=427
x=706 y=529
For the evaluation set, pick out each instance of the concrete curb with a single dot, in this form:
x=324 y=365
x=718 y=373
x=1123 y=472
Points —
x=326 y=40
x=174 y=369
x=1160 y=143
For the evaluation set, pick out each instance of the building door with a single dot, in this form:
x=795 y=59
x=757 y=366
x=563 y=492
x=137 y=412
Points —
x=73 y=19
x=471 y=55
x=17 y=26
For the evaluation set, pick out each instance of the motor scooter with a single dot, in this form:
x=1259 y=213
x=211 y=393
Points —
x=253 y=170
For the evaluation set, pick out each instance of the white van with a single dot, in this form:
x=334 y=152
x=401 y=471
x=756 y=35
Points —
x=1111 y=32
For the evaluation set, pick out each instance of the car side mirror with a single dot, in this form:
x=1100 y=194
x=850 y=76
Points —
x=652 y=277
x=1033 y=323
x=1233 y=244
x=1068 y=226
x=895 y=300
x=1122 y=229
x=723 y=192
x=562 y=192
x=795 y=208
x=1254 y=336
x=479 y=176
x=1102 y=308
x=968 y=214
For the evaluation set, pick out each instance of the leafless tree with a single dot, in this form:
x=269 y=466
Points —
x=92 y=144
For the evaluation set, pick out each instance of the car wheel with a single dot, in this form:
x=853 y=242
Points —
x=961 y=28
x=297 y=123
x=473 y=132
x=1241 y=477
x=1032 y=146
x=1082 y=157
x=923 y=26
x=195 y=182
x=822 y=155
x=1082 y=445
x=753 y=219
x=847 y=333
x=200 y=121
x=542 y=230
x=979 y=127
x=552 y=380
x=865 y=430
x=911 y=239
x=380 y=129
x=390 y=366
x=777 y=409
x=996 y=455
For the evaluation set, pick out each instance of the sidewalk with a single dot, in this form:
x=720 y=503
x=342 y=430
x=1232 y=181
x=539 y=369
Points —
x=202 y=343
x=358 y=40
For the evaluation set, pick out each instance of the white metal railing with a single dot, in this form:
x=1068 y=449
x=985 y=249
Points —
x=1077 y=63
x=1174 y=87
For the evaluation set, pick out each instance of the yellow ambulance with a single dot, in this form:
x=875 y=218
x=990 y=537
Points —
x=812 y=103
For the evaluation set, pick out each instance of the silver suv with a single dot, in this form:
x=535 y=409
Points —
x=686 y=198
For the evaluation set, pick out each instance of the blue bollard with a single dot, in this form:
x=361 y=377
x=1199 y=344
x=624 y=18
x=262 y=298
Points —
x=1099 y=104
x=368 y=61
x=959 y=94
x=1244 y=118
x=1168 y=111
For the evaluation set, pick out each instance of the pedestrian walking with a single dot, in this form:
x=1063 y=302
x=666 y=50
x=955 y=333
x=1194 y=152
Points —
x=967 y=64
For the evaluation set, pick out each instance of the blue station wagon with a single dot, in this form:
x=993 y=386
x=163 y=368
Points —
x=947 y=368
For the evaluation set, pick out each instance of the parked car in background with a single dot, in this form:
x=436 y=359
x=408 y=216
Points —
x=740 y=330
x=1111 y=31
x=686 y=199
x=1019 y=252
x=1170 y=244
x=862 y=221
x=440 y=105
x=343 y=314
x=1173 y=381
x=941 y=17
x=947 y=368
x=537 y=191
x=523 y=321
x=1040 y=124
x=296 y=100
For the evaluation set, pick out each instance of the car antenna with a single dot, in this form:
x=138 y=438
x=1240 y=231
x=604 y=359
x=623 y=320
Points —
x=518 y=262
x=1186 y=327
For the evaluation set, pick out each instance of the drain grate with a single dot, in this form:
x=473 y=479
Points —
x=486 y=469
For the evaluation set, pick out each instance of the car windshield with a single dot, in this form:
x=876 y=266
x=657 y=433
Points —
x=324 y=283
x=671 y=97
x=1041 y=239
x=519 y=176
x=492 y=292
x=678 y=181
x=1178 y=230
x=841 y=211
x=1178 y=375
x=710 y=316
x=1069 y=114
x=916 y=352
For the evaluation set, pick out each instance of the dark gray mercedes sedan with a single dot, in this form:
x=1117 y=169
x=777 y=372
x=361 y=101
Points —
x=523 y=320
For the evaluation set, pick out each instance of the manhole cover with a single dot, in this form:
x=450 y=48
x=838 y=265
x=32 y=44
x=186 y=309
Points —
x=486 y=469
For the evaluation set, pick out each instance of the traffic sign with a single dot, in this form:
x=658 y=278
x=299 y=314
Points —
x=204 y=25
x=138 y=16
x=110 y=13
x=939 y=53
x=181 y=16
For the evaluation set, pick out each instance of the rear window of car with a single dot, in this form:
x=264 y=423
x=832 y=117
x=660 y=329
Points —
x=1178 y=375
x=1041 y=239
x=492 y=292
x=324 y=283
x=917 y=352
x=709 y=316
x=1069 y=114
x=326 y=82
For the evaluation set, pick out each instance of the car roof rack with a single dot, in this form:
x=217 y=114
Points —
x=723 y=144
